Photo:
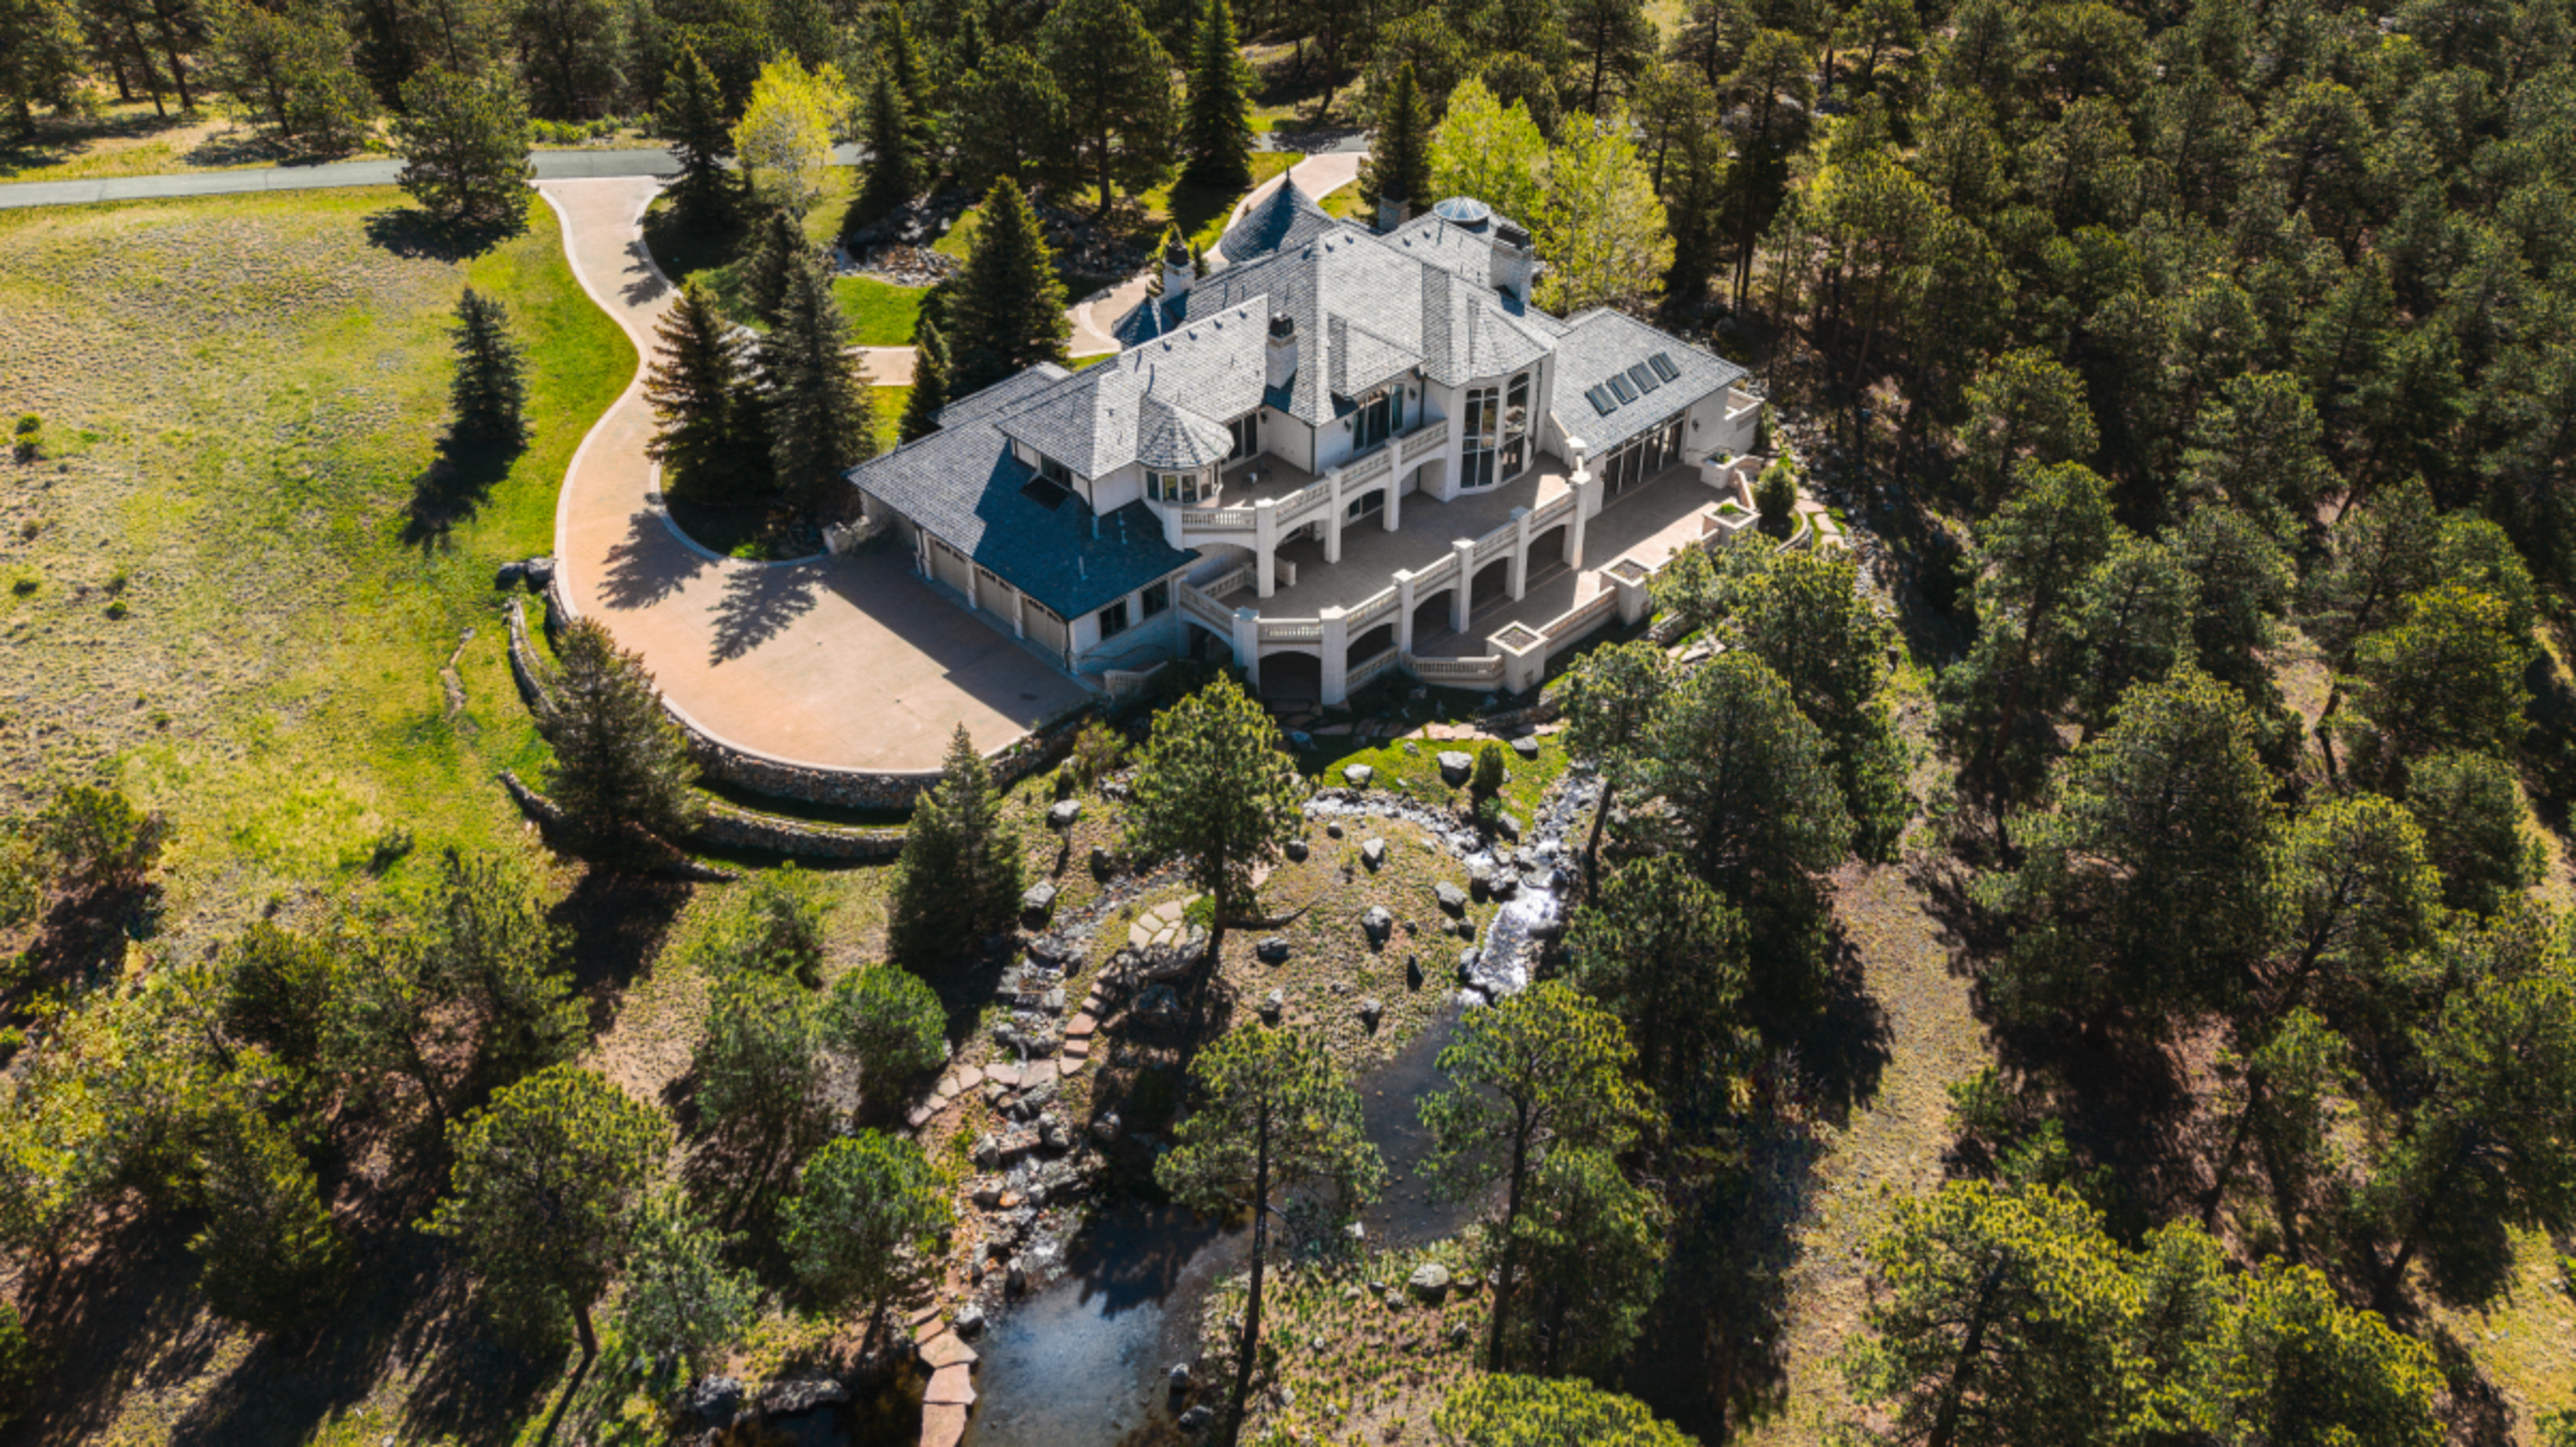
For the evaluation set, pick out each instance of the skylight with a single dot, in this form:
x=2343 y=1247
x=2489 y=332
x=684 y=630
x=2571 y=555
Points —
x=1620 y=385
x=1644 y=377
x=1601 y=400
x=1662 y=362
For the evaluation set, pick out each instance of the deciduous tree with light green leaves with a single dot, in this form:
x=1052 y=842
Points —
x=1502 y=1410
x=1214 y=790
x=785 y=135
x=1600 y=226
x=1490 y=152
x=1535 y=1072
x=1269 y=1115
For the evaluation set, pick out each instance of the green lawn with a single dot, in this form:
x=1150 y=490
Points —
x=881 y=314
x=243 y=395
x=890 y=404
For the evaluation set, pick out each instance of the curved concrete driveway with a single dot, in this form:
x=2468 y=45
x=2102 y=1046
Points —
x=846 y=663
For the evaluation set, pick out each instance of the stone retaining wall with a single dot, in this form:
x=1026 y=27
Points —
x=733 y=828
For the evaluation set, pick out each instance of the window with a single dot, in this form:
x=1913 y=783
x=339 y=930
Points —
x=1156 y=598
x=1380 y=416
x=1054 y=471
x=1640 y=458
x=1113 y=619
x=1479 y=436
x=1185 y=487
x=1247 y=436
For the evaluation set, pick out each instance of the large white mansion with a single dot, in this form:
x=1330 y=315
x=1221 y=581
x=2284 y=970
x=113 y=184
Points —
x=1340 y=453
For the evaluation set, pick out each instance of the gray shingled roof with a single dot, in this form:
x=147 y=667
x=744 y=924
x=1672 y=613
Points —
x=1175 y=437
x=1599 y=343
x=1096 y=421
x=966 y=487
x=1002 y=395
x=1284 y=219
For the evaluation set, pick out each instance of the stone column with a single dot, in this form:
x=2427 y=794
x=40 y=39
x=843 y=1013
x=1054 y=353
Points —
x=1581 y=483
x=1265 y=545
x=1333 y=518
x=1337 y=656
x=1247 y=643
x=1020 y=614
x=1394 y=517
x=1463 y=601
x=1404 y=610
x=1516 y=578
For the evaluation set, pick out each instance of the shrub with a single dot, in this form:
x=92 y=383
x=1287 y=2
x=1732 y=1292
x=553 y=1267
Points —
x=1487 y=781
x=98 y=838
x=17 y=1363
x=30 y=437
x=1775 y=495
x=1096 y=750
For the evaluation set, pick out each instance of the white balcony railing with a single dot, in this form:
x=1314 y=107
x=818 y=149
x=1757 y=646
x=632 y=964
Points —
x=1425 y=439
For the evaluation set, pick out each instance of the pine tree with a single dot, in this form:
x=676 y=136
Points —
x=1120 y=92
x=273 y=1257
x=692 y=119
x=1010 y=120
x=1399 y=164
x=490 y=391
x=695 y=391
x=959 y=878
x=1214 y=789
x=1217 y=136
x=821 y=412
x=775 y=244
x=464 y=141
x=864 y=1201
x=893 y=163
x=619 y=759
x=891 y=1023
x=1008 y=312
x=902 y=64
x=681 y=1304
x=761 y=1079
x=929 y=383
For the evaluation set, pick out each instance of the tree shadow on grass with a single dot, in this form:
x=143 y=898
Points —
x=452 y=489
x=415 y=234
x=1843 y=1049
x=119 y=1317
x=618 y=921
x=758 y=605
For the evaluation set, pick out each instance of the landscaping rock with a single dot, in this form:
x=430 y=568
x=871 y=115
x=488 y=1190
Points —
x=1039 y=902
x=1158 y=1002
x=1333 y=829
x=509 y=576
x=1196 y=1418
x=1508 y=825
x=1373 y=853
x=969 y=1321
x=716 y=1399
x=1297 y=851
x=1467 y=964
x=1429 y=1282
x=802 y=1395
x=1105 y=1130
x=1272 y=1006
x=1459 y=1335
x=1370 y=1013
x=1358 y=775
x=1063 y=813
x=1413 y=972
x=540 y=571
x=1103 y=863
x=1377 y=924
x=1271 y=951
x=1180 y=1376
x=1526 y=746
x=1451 y=898
x=1455 y=767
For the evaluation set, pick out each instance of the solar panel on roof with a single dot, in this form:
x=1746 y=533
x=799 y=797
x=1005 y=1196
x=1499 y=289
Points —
x=1662 y=362
x=1619 y=384
x=1600 y=399
x=1644 y=377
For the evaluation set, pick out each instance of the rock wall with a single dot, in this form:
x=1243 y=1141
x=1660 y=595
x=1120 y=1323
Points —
x=731 y=828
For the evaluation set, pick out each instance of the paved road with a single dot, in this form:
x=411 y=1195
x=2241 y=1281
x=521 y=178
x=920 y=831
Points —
x=843 y=662
x=550 y=166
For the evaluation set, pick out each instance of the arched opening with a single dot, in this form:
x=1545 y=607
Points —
x=1426 y=478
x=1292 y=678
x=1431 y=616
x=1205 y=646
x=1370 y=644
x=1368 y=504
x=1493 y=583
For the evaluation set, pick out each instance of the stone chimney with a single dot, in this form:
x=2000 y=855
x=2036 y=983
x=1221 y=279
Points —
x=1513 y=261
x=1283 y=350
x=1178 y=272
x=1392 y=212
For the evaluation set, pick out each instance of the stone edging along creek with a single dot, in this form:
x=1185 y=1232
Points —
x=1077 y=1328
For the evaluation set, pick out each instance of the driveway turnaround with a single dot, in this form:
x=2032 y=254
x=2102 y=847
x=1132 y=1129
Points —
x=849 y=663
x=548 y=166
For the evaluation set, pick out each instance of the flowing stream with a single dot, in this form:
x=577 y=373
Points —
x=1081 y=1362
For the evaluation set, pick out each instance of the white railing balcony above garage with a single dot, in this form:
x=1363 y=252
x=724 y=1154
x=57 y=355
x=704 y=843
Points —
x=1425 y=438
x=1203 y=520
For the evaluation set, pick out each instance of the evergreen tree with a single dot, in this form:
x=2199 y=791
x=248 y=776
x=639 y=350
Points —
x=929 y=383
x=1592 y=1247
x=490 y=392
x=1609 y=699
x=1215 y=791
x=290 y=70
x=891 y=1023
x=2024 y=405
x=776 y=243
x=865 y=1201
x=494 y=950
x=1667 y=954
x=894 y=166
x=1216 y=136
x=1501 y=1410
x=273 y=1258
x=2448 y=677
x=278 y=986
x=681 y=1305
x=959 y=877
x=1270 y=1116
x=901 y=64
x=1008 y=311
x=1010 y=122
x=1536 y=1072
x=2471 y=811
x=571 y=55
x=464 y=141
x=1805 y=615
x=697 y=391
x=1121 y=109
x=1613 y=41
x=1399 y=164
x=761 y=1079
x=692 y=119
x=40 y=58
x=544 y=1196
x=619 y=760
x=819 y=407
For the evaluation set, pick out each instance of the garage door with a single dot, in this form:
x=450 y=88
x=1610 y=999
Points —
x=949 y=565
x=1045 y=629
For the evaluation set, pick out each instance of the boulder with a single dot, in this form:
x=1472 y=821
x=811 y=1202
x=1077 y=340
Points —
x=1062 y=813
x=1179 y=1376
x=1526 y=746
x=1429 y=1282
x=1273 y=1005
x=1196 y=1418
x=1105 y=1129
x=1451 y=897
x=969 y=1320
x=1455 y=767
x=1271 y=951
x=802 y=1394
x=540 y=571
x=1332 y=828
x=1459 y=1335
x=1158 y=1002
x=1103 y=863
x=989 y=1195
x=716 y=1399
x=1508 y=825
x=1358 y=775
x=1039 y=901
x=1377 y=924
x=509 y=575
x=1370 y=1013
x=1467 y=963
x=1297 y=851
x=1413 y=972
x=1373 y=853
